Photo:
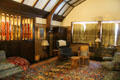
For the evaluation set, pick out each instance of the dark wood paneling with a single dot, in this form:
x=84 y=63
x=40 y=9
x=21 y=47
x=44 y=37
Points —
x=58 y=18
x=25 y=49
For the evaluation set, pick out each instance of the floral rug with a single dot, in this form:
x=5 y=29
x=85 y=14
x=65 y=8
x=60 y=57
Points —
x=62 y=71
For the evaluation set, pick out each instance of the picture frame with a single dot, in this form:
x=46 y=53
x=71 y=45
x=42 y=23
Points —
x=41 y=33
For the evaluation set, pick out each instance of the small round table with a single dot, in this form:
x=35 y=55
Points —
x=75 y=61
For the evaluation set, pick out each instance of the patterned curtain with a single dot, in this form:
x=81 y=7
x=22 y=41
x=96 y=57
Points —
x=91 y=32
x=77 y=30
x=118 y=36
x=108 y=34
x=84 y=33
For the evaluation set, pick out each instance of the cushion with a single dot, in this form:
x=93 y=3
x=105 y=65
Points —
x=108 y=65
x=107 y=58
x=2 y=55
x=5 y=65
x=62 y=43
x=10 y=71
x=19 y=61
x=66 y=51
x=116 y=57
x=84 y=53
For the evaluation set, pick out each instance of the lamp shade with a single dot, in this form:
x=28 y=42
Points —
x=97 y=40
x=45 y=43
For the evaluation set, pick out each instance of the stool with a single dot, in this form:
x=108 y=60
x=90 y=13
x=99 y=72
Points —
x=75 y=61
x=84 y=60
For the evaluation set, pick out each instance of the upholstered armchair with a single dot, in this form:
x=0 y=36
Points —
x=7 y=68
x=64 y=50
x=114 y=64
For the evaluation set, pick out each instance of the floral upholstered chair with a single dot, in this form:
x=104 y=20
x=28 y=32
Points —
x=8 y=68
x=114 y=64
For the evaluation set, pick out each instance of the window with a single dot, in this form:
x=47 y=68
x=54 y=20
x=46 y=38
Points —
x=59 y=7
x=82 y=33
x=19 y=1
x=68 y=11
x=108 y=34
x=86 y=32
x=29 y=2
x=41 y=3
x=50 y=5
x=64 y=9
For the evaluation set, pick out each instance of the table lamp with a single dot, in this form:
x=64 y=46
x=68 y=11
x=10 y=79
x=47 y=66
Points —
x=44 y=43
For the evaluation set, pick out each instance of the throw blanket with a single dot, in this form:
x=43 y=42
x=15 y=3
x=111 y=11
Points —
x=19 y=61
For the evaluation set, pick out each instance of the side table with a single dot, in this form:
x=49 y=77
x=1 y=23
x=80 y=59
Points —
x=84 y=60
x=75 y=61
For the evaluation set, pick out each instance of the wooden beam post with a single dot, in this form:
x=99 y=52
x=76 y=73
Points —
x=35 y=3
x=50 y=16
x=49 y=21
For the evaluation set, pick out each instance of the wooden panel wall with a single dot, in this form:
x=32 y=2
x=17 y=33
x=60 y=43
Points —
x=20 y=48
x=38 y=48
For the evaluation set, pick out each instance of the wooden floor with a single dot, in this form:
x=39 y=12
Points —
x=44 y=62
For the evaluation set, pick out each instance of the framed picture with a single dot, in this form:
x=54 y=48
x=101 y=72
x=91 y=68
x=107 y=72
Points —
x=41 y=33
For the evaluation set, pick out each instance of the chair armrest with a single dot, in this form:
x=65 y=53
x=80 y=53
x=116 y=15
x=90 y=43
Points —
x=108 y=58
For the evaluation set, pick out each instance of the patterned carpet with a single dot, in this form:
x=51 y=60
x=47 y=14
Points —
x=62 y=71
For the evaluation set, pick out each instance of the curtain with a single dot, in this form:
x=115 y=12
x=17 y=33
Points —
x=118 y=35
x=91 y=32
x=108 y=34
x=84 y=33
x=77 y=30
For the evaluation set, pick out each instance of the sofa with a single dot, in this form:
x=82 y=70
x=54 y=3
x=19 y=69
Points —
x=7 y=68
x=114 y=64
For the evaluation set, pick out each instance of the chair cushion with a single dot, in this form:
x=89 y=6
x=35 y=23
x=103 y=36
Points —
x=62 y=43
x=5 y=65
x=2 y=55
x=10 y=71
x=108 y=65
x=19 y=61
x=84 y=53
x=66 y=51
x=107 y=58
x=116 y=57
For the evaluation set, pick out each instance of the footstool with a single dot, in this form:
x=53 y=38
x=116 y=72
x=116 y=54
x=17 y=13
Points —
x=75 y=61
x=84 y=60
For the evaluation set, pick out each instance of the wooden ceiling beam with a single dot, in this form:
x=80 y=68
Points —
x=78 y=1
x=61 y=8
x=35 y=3
x=16 y=8
x=75 y=3
x=22 y=1
x=69 y=3
x=69 y=11
x=46 y=5
x=65 y=10
x=50 y=16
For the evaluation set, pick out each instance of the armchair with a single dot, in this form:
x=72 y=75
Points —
x=114 y=64
x=83 y=53
x=8 y=67
x=64 y=50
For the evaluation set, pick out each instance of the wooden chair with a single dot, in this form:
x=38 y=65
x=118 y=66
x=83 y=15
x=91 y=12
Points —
x=83 y=53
